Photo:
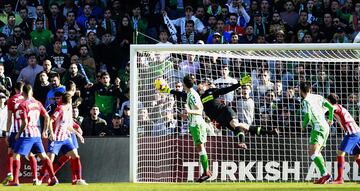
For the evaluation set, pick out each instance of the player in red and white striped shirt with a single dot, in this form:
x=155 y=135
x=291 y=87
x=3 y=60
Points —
x=13 y=116
x=351 y=141
x=62 y=126
x=29 y=137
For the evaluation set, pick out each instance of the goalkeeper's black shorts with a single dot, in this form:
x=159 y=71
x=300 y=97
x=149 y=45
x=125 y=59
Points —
x=225 y=116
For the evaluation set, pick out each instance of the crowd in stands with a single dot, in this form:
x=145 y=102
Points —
x=83 y=45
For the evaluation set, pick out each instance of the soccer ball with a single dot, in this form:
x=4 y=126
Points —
x=160 y=84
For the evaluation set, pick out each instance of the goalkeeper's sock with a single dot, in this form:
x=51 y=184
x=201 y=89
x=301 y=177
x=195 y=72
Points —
x=320 y=163
x=239 y=133
x=341 y=164
x=259 y=131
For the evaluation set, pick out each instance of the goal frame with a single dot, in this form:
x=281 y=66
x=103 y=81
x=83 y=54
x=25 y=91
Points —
x=198 y=47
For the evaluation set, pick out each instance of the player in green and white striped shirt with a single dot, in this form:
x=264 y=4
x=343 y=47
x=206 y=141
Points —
x=197 y=125
x=314 y=108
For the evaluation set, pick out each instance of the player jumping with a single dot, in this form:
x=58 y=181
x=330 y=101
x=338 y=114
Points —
x=314 y=108
x=223 y=114
x=351 y=141
x=197 y=125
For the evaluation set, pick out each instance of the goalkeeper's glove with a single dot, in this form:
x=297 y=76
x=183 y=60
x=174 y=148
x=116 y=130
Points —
x=166 y=89
x=245 y=80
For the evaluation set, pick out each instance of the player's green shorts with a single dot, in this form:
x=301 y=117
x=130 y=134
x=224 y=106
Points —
x=198 y=132
x=319 y=137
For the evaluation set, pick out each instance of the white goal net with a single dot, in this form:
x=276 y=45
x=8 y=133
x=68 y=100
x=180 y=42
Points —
x=162 y=149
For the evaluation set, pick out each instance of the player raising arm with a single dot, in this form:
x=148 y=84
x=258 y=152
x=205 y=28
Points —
x=351 y=141
x=314 y=108
x=222 y=114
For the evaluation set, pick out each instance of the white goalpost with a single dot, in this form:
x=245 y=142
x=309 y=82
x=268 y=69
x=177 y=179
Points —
x=161 y=148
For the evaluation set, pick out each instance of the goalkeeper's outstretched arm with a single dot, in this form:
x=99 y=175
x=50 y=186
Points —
x=223 y=91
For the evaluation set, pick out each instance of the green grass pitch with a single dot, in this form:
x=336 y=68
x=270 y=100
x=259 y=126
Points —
x=190 y=187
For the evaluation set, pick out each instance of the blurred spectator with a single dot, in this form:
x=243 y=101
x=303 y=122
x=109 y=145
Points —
x=327 y=28
x=180 y=22
x=189 y=37
x=248 y=37
x=87 y=61
x=233 y=26
x=60 y=61
x=117 y=128
x=164 y=37
x=28 y=74
x=40 y=15
x=42 y=54
x=55 y=87
x=94 y=9
x=302 y=27
x=15 y=38
x=245 y=105
x=68 y=6
x=323 y=83
x=42 y=86
x=41 y=36
x=289 y=16
x=108 y=24
x=107 y=55
x=124 y=36
x=92 y=26
x=224 y=36
x=14 y=62
x=138 y=23
x=66 y=47
x=211 y=25
x=236 y=7
x=56 y=19
x=8 y=29
x=124 y=77
x=47 y=68
x=8 y=9
x=352 y=106
x=74 y=75
x=340 y=36
x=94 y=125
x=83 y=18
x=26 y=46
x=258 y=24
x=27 y=22
x=107 y=95
x=225 y=81
x=234 y=38
x=70 y=23
x=5 y=80
x=76 y=116
x=3 y=113
x=264 y=84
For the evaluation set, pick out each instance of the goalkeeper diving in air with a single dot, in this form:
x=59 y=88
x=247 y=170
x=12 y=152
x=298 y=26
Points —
x=222 y=114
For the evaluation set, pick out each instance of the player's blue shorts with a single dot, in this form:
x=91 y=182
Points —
x=351 y=144
x=63 y=146
x=12 y=140
x=24 y=145
x=74 y=140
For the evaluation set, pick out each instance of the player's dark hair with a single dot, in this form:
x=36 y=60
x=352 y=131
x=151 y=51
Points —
x=27 y=89
x=188 y=81
x=305 y=87
x=19 y=86
x=66 y=98
x=333 y=98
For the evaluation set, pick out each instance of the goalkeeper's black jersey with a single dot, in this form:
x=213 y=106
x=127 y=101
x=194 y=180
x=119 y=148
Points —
x=212 y=107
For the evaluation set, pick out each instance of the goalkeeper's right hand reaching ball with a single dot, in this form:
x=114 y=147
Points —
x=245 y=80
x=162 y=86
